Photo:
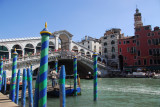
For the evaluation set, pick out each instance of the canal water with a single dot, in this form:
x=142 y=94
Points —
x=115 y=92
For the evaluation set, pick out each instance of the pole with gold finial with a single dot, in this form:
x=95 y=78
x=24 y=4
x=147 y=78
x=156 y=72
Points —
x=42 y=101
x=13 y=79
x=95 y=75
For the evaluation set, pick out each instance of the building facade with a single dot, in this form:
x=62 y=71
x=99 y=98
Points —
x=109 y=43
x=142 y=50
x=92 y=44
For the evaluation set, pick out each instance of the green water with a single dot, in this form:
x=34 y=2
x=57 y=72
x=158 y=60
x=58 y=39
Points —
x=115 y=92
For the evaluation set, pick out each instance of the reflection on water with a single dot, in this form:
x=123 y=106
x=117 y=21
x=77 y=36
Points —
x=116 y=92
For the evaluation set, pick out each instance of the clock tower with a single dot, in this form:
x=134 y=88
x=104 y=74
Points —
x=137 y=19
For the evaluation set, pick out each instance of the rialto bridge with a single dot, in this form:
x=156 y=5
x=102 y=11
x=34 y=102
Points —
x=28 y=50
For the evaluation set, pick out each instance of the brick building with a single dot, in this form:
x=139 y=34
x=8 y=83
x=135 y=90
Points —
x=142 y=50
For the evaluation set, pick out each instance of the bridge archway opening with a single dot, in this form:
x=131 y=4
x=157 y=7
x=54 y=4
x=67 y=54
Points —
x=51 y=46
x=4 y=52
x=64 y=41
x=99 y=59
x=104 y=61
x=88 y=54
x=18 y=49
x=82 y=52
x=75 y=49
x=38 y=48
x=29 y=49
x=82 y=69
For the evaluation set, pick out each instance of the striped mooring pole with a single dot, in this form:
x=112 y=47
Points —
x=24 y=86
x=1 y=70
x=36 y=93
x=75 y=75
x=31 y=70
x=62 y=91
x=29 y=78
x=95 y=76
x=13 y=79
x=42 y=101
x=56 y=65
x=17 y=86
x=4 y=80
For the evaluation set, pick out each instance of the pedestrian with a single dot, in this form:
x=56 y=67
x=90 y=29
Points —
x=54 y=78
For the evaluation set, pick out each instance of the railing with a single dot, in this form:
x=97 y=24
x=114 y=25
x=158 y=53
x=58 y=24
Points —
x=82 y=46
x=62 y=54
x=25 y=58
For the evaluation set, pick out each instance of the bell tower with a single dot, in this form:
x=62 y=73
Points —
x=137 y=19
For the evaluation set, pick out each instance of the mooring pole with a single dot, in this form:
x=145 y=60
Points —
x=29 y=78
x=23 y=96
x=36 y=93
x=13 y=79
x=2 y=88
x=31 y=70
x=62 y=92
x=42 y=102
x=95 y=76
x=17 y=87
x=5 y=82
x=1 y=70
x=56 y=65
x=75 y=74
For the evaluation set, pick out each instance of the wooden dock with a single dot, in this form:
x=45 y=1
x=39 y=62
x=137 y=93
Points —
x=6 y=102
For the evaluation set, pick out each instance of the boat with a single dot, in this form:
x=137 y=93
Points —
x=8 y=79
x=156 y=76
x=137 y=75
x=69 y=88
x=89 y=76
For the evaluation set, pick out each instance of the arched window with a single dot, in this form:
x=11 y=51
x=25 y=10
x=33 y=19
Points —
x=105 y=43
x=112 y=42
x=113 y=56
x=38 y=47
x=29 y=49
x=99 y=59
x=105 y=50
x=82 y=52
x=75 y=48
x=113 y=49
x=88 y=47
x=4 y=52
x=51 y=46
x=149 y=42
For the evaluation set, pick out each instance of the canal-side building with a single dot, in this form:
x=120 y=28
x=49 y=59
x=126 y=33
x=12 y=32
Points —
x=142 y=50
x=92 y=44
x=109 y=43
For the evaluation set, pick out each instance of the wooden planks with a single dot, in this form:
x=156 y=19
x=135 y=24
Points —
x=6 y=102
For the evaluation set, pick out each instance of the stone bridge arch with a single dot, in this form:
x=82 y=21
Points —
x=82 y=68
x=65 y=37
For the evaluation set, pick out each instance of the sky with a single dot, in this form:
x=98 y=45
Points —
x=26 y=18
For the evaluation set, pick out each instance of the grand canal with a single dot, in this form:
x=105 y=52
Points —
x=115 y=92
